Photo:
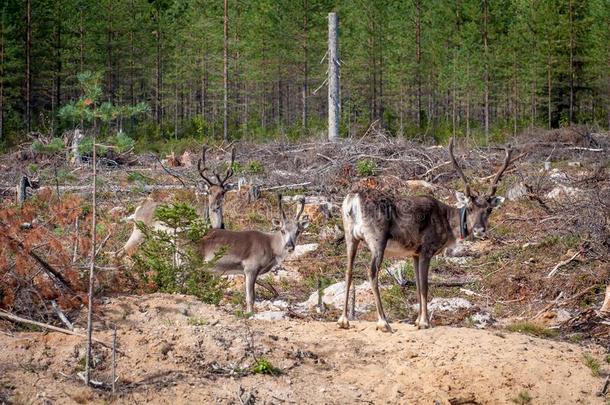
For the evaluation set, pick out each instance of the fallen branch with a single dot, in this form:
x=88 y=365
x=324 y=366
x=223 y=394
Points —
x=563 y=263
x=286 y=186
x=15 y=318
x=62 y=316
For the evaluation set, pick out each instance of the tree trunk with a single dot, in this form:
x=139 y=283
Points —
x=418 y=59
x=486 y=68
x=28 y=66
x=88 y=358
x=2 y=78
x=549 y=92
x=571 y=14
x=334 y=103
x=305 y=67
x=109 y=35
x=225 y=74
x=58 y=67
x=158 y=98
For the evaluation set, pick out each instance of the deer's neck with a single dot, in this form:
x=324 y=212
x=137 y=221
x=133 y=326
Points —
x=456 y=222
x=278 y=244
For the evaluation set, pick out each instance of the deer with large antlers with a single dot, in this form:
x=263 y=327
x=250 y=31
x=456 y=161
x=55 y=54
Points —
x=419 y=227
x=252 y=252
x=217 y=187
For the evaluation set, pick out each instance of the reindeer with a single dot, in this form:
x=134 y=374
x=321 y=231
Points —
x=419 y=227
x=252 y=252
x=217 y=187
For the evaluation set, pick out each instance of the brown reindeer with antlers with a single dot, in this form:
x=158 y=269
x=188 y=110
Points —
x=217 y=187
x=419 y=227
x=252 y=252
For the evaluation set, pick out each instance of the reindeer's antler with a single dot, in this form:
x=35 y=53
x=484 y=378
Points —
x=229 y=172
x=279 y=201
x=201 y=167
x=302 y=201
x=494 y=183
x=458 y=169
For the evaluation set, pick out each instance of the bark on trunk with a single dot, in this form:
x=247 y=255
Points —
x=225 y=75
x=334 y=104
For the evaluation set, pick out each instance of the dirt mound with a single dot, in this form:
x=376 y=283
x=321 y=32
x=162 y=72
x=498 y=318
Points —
x=177 y=349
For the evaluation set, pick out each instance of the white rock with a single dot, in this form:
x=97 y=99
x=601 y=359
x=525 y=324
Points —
x=482 y=320
x=557 y=176
x=562 y=192
x=335 y=295
x=269 y=316
x=516 y=191
x=302 y=250
x=446 y=304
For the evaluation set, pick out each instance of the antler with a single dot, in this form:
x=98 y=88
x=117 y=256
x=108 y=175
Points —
x=200 y=163
x=494 y=183
x=201 y=167
x=282 y=213
x=458 y=169
x=229 y=172
x=302 y=201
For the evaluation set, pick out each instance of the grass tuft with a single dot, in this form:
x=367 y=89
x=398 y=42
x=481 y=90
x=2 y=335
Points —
x=532 y=329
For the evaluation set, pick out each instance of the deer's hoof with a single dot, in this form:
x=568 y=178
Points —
x=383 y=326
x=422 y=324
x=343 y=322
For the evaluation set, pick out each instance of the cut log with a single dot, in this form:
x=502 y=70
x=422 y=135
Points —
x=606 y=305
x=76 y=158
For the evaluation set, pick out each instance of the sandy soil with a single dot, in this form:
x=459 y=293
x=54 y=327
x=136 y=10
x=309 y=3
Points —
x=177 y=349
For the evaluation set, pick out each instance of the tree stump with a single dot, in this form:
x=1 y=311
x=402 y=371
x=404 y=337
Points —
x=606 y=305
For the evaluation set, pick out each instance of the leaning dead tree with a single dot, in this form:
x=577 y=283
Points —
x=334 y=101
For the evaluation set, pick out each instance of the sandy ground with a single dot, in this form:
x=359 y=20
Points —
x=177 y=349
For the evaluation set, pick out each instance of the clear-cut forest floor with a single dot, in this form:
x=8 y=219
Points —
x=181 y=351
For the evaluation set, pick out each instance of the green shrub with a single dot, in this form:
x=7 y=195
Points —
x=123 y=142
x=592 y=363
x=264 y=366
x=523 y=398
x=56 y=145
x=167 y=259
x=366 y=167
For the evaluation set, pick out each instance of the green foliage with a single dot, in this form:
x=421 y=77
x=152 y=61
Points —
x=523 y=398
x=264 y=366
x=255 y=167
x=168 y=259
x=593 y=364
x=366 y=167
x=123 y=142
x=532 y=329
x=56 y=145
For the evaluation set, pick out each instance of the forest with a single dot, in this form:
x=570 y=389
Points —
x=421 y=69
x=305 y=202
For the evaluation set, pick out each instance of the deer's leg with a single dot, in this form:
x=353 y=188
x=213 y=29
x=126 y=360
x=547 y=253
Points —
x=352 y=247
x=424 y=264
x=250 y=281
x=377 y=258
x=416 y=272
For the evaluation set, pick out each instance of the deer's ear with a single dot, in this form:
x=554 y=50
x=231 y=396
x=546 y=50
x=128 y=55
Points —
x=495 y=202
x=462 y=199
x=277 y=224
x=304 y=222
